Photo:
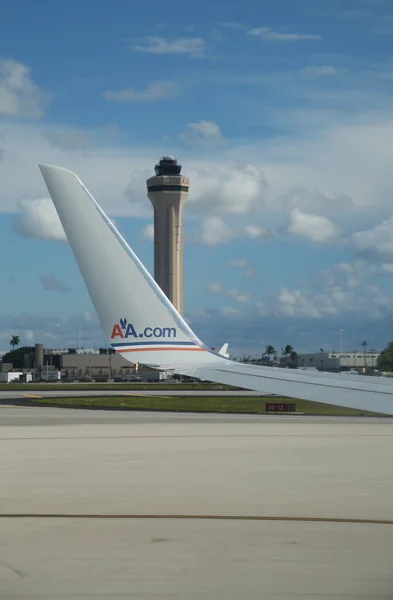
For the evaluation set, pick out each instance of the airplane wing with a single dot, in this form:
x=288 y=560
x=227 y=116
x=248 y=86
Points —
x=144 y=327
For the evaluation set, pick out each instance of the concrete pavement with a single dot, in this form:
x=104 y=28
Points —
x=154 y=560
x=21 y=416
x=71 y=393
x=129 y=464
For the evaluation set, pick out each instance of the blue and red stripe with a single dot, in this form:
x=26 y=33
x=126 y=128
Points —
x=155 y=346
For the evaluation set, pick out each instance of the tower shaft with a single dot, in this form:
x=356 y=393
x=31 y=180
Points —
x=167 y=192
x=168 y=250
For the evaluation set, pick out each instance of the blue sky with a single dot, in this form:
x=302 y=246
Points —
x=281 y=115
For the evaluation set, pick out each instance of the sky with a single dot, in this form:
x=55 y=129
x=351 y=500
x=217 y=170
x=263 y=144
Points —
x=281 y=115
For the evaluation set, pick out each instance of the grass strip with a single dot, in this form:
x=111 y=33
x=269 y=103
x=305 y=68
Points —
x=203 y=404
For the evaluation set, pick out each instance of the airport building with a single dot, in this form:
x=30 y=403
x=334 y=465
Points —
x=82 y=364
x=338 y=361
x=167 y=191
x=104 y=364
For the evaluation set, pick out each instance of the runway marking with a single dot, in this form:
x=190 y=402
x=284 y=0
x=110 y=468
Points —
x=31 y=396
x=196 y=517
x=235 y=435
x=125 y=394
x=144 y=395
x=16 y=571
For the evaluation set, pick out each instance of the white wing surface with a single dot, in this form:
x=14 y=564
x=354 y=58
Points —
x=144 y=327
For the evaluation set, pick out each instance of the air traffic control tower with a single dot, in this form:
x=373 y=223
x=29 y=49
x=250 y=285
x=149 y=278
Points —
x=167 y=191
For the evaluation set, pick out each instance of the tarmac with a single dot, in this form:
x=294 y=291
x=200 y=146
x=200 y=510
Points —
x=152 y=505
x=20 y=394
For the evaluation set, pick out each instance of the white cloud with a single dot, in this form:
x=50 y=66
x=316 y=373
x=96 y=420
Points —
x=59 y=331
x=350 y=274
x=359 y=13
x=136 y=194
x=386 y=75
x=315 y=202
x=240 y=296
x=69 y=139
x=29 y=335
x=215 y=231
x=233 y=25
x=206 y=133
x=298 y=303
x=331 y=302
x=376 y=242
x=51 y=283
x=342 y=173
x=353 y=275
x=323 y=71
x=337 y=295
x=38 y=219
x=148 y=232
x=387 y=268
x=247 y=327
x=155 y=91
x=215 y=287
x=243 y=265
x=312 y=227
x=228 y=311
x=227 y=187
x=160 y=45
x=116 y=175
x=254 y=232
x=268 y=35
x=238 y=263
x=19 y=95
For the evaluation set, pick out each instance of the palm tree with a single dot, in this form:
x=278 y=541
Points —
x=14 y=341
x=270 y=351
x=286 y=350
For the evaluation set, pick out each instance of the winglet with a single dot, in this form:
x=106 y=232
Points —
x=137 y=317
x=223 y=351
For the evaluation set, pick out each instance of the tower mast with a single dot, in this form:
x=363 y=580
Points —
x=167 y=191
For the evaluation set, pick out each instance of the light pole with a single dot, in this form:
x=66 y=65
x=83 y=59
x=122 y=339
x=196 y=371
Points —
x=77 y=354
x=341 y=341
x=372 y=350
x=364 y=344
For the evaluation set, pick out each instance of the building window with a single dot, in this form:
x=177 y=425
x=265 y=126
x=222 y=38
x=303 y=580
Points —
x=168 y=188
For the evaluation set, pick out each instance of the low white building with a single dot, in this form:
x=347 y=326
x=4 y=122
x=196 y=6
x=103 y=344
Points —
x=9 y=376
x=336 y=361
x=357 y=360
x=322 y=361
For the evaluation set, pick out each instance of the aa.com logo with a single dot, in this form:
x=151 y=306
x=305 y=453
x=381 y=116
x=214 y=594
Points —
x=124 y=330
